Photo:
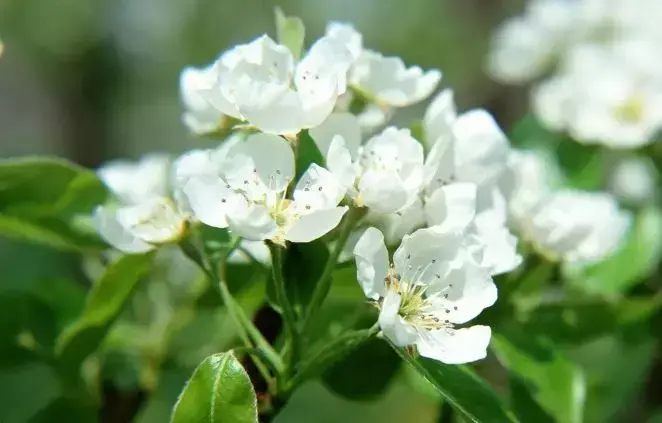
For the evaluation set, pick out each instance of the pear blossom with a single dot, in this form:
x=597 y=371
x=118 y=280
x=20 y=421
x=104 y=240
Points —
x=389 y=82
x=260 y=83
x=251 y=198
x=432 y=285
x=135 y=182
x=383 y=80
x=384 y=174
x=578 y=227
x=634 y=180
x=529 y=179
x=526 y=46
x=200 y=115
x=346 y=34
x=142 y=227
x=598 y=98
x=467 y=155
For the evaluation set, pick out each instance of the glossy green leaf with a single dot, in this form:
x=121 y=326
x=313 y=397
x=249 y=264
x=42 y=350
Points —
x=554 y=382
x=636 y=259
x=104 y=303
x=469 y=395
x=42 y=199
x=43 y=186
x=219 y=391
x=291 y=32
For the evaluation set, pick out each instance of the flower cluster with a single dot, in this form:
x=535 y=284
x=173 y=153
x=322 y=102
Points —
x=607 y=85
x=446 y=199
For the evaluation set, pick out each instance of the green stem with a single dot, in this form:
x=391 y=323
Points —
x=329 y=354
x=289 y=315
x=248 y=333
x=323 y=285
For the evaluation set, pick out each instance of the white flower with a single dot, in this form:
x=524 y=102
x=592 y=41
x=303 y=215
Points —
x=259 y=82
x=600 y=98
x=472 y=148
x=468 y=155
x=396 y=225
x=346 y=34
x=432 y=285
x=200 y=116
x=528 y=180
x=135 y=182
x=142 y=227
x=251 y=198
x=634 y=180
x=200 y=163
x=388 y=82
x=526 y=46
x=578 y=227
x=385 y=174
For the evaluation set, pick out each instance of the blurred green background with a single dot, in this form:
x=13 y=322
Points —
x=93 y=80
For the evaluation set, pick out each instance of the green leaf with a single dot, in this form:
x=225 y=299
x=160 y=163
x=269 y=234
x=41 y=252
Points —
x=616 y=368
x=218 y=392
x=583 y=320
x=42 y=201
x=303 y=265
x=104 y=303
x=555 y=383
x=290 y=32
x=463 y=389
x=50 y=232
x=43 y=186
x=307 y=154
x=636 y=259
x=364 y=374
x=28 y=388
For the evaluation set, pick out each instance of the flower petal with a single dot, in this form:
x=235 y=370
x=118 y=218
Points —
x=116 y=235
x=339 y=162
x=439 y=118
x=344 y=125
x=210 y=200
x=456 y=346
x=371 y=263
x=452 y=207
x=394 y=327
x=264 y=162
x=462 y=294
x=383 y=191
x=318 y=189
x=390 y=81
x=315 y=225
x=481 y=148
x=251 y=221
x=427 y=255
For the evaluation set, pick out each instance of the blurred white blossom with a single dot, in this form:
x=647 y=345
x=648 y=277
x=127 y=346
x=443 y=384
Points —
x=600 y=62
x=141 y=227
x=634 y=180
x=134 y=182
